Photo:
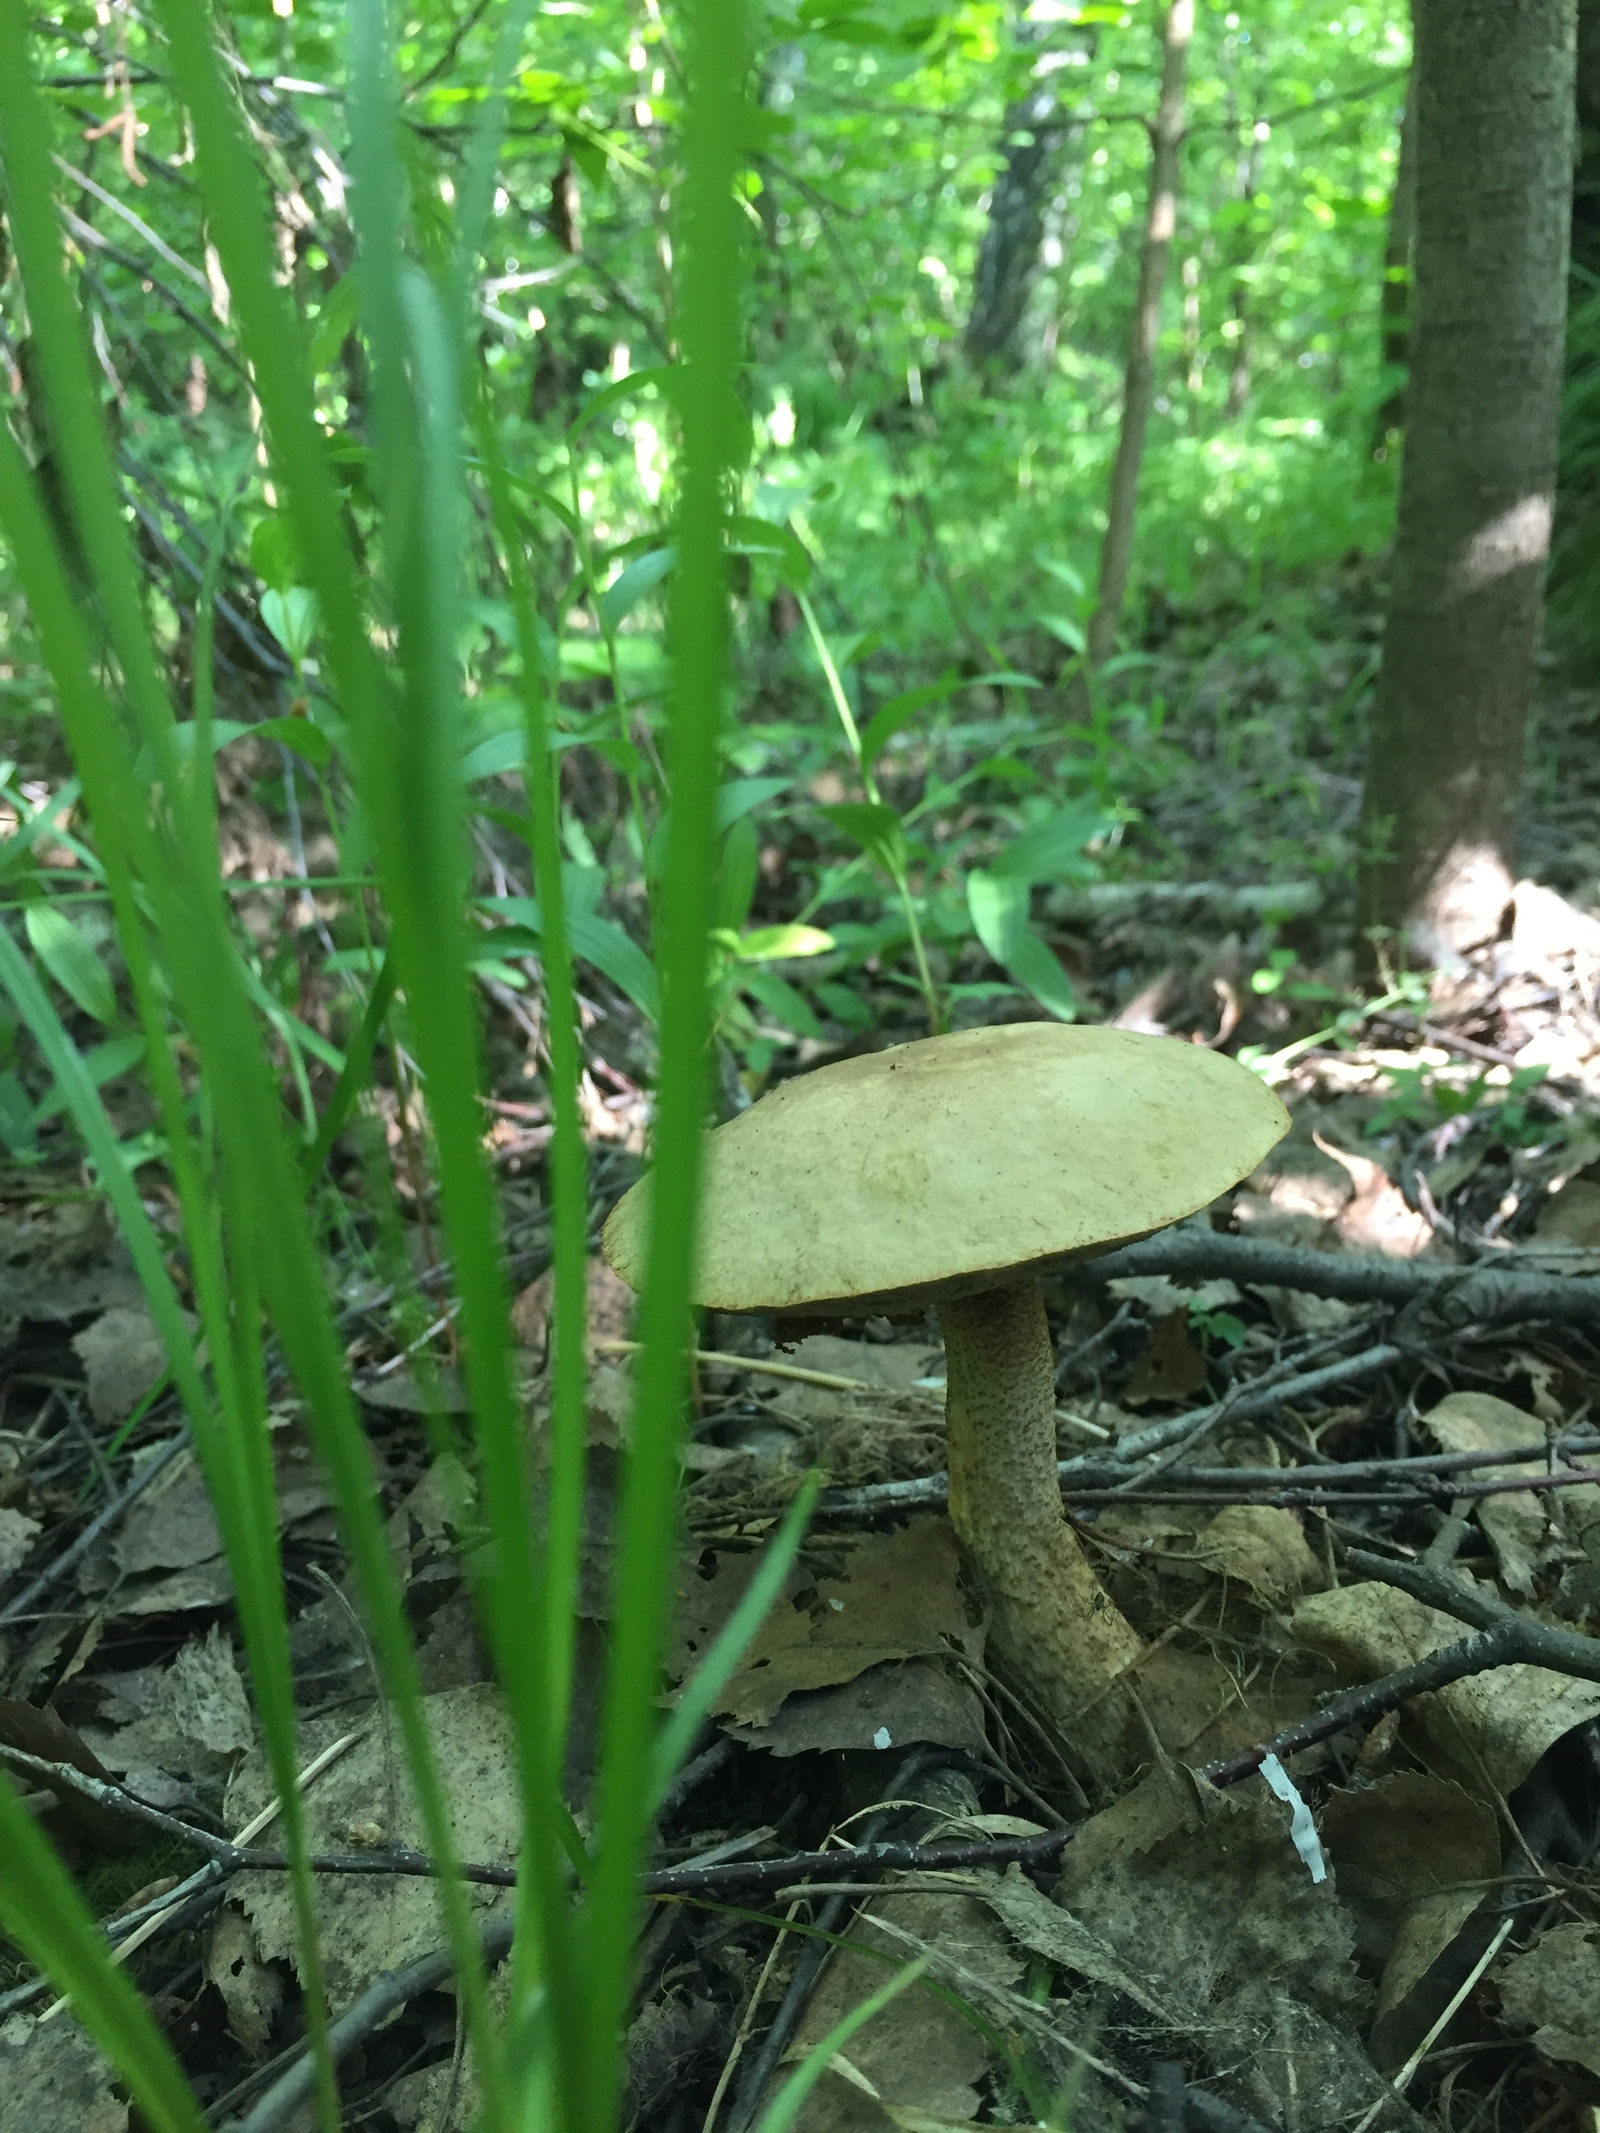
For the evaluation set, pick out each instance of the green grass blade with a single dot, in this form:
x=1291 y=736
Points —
x=700 y=1692
x=709 y=311
x=42 y=1911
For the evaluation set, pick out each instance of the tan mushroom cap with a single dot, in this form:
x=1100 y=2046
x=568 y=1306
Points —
x=941 y=1168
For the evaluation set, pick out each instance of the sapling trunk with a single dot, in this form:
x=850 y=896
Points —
x=1053 y=1624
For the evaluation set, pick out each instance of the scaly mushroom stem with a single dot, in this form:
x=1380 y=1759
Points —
x=1053 y=1624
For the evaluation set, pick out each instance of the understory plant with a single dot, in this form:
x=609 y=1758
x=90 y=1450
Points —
x=379 y=720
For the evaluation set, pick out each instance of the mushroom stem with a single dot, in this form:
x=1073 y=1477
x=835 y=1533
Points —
x=1052 y=1622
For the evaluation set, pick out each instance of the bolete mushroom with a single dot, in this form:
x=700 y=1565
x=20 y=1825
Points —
x=951 y=1172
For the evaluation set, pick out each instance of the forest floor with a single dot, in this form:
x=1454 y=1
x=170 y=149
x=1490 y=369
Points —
x=1317 y=1436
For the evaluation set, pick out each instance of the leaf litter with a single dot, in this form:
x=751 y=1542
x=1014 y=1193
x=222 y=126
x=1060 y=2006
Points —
x=1181 y=1923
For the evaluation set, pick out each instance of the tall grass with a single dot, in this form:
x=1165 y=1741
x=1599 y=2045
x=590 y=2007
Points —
x=238 y=1160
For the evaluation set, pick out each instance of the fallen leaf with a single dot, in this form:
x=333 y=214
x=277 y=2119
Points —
x=1262 y=1547
x=252 y=1991
x=609 y=1306
x=1514 y=1523
x=369 y=1922
x=1413 y=1855
x=1376 y=1219
x=17 y=1536
x=1202 y=1895
x=1494 y=1725
x=123 y=1357
x=54 y=2080
x=899 y=1598
x=191 y=1718
x=919 y=2052
x=1170 y=1369
x=895 y=1705
x=1571 y=1216
x=1554 y=1990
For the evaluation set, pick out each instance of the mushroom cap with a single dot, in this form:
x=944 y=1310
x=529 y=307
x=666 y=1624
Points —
x=952 y=1165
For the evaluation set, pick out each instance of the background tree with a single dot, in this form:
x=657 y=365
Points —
x=1036 y=134
x=1493 y=86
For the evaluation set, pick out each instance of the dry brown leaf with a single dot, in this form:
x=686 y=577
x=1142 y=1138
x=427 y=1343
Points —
x=123 y=1357
x=1377 y=1219
x=367 y=1922
x=1262 y=1547
x=899 y=1598
x=1202 y=1896
x=1170 y=1369
x=17 y=1535
x=1554 y=1990
x=897 y=1704
x=1572 y=1216
x=919 y=2052
x=1515 y=1522
x=252 y=1991
x=54 y=2080
x=1413 y=1855
x=609 y=1305
x=1491 y=1725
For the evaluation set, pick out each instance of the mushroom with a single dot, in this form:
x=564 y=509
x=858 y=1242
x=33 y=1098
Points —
x=951 y=1172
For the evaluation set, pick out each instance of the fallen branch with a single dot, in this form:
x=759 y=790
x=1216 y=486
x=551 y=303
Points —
x=1458 y=1295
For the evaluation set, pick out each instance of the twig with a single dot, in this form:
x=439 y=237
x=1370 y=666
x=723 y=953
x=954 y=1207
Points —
x=97 y=1525
x=1500 y=1646
x=1563 y=1651
x=1457 y=1294
x=761 y=1368
x=883 y=1497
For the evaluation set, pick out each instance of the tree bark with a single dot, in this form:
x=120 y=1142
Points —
x=1166 y=141
x=1034 y=129
x=1493 y=87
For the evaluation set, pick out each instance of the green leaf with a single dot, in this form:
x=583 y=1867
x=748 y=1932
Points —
x=617 y=955
x=741 y=796
x=1053 y=850
x=899 y=711
x=772 y=944
x=292 y=618
x=786 y=1006
x=1038 y=970
x=119 y=1055
x=71 y=959
x=272 y=555
x=668 y=377
x=999 y=908
x=876 y=829
x=630 y=585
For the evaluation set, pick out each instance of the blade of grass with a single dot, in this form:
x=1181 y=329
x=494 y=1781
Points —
x=43 y=1912
x=731 y=1642
x=709 y=311
x=118 y=808
x=569 y=1190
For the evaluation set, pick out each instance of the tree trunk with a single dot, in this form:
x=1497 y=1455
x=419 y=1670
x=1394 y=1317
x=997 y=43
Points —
x=1033 y=130
x=1247 y=179
x=1166 y=140
x=1394 y=304
x=1493 y=87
